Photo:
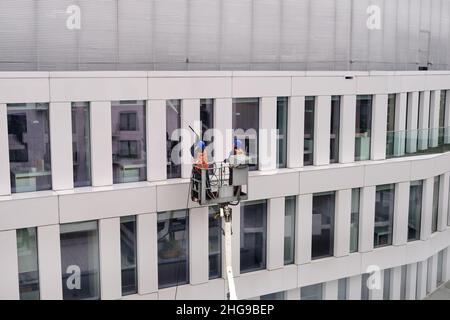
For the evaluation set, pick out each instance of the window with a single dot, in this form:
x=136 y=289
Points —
x=415 y=210
x=308 y=154
x=27 y=253
x=387 y=284
x=435 y=212
x=274 y=296
x=29 y=147
x=246 y=127
x=313 y=292
x=215 y=244
x=81 y=142
x=335 y=124
x=173 y=123
x=207 y=119
x=354 y=220
x=442 y=112
x=282 y=126
x=342 y=289
x=80 y=261
x=384 y=215
x=323 y=225
x=365 y=291
x=129 y=141
x=253 y=235
x=289 y=229
x=128 y=250
x=173 y=248
x=363 y=127
x=390 y=140
x=403 y=282
x=440 y=268
x=429 y=274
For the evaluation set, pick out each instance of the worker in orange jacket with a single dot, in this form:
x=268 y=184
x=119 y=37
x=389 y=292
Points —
x=200 y=163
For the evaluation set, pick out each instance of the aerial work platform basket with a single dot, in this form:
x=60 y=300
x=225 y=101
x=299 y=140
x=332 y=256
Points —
x=221 y=183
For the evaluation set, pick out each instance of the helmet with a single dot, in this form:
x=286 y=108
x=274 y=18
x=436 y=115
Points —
x=201 y=145
x=237 y=143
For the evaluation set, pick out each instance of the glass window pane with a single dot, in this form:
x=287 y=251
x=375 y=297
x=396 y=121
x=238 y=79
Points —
x=246 y=127
x=363 y=127
x=207 y=120
x=81 y=142
x=289 y=229
x=173 y=124
x=364 y=287
x=27 y=253
x=215 y=243
x=80 y=261
x=387 y=284
x=335 y=124
x=342 y=289
x=282 y=125
x=173 y=248
x=274 y=296
x=253 y=235
x=390 y=140
x=129 y=141
x=323 y=225
x=415 y=210
x=128 y=250
x=308 y=154
x=403 y=282
x=313 y=292
x=435 y=212
x=29 y=147
x=354 y=222
x=384 y=215
x=440 y=268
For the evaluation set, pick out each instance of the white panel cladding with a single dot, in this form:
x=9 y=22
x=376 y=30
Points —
x=267 y=148
x=401 y=205
x=269 y=86
x=330 y=291
x=147 y=253
x=322 y=129
x=103 y=86
x=182 y=87
x=342 y=222
x=295 y=135
x=444 y=202
x=156 y=140
x=412 y=121
x=427 y=208
x=367 y=218
x=190 y=116
x=376 y=292
x=108 y=202
x=275 y=233
x=395 y=283
x=347 y=129
x=421 y=284
x=386 y=257
x=50 y=286
x=61 y=145
x=432 y=273
x=198 y=245
x=379 y=125
x=284 y=183
x=12 y=89
x=5 y=183
x=24 y=211
x=387 y=172
x=411 y=277
x=424 y=116
x=101 y=141
x=354 y=288
x=110 y=259
x=435 y=98
x=9 y=269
